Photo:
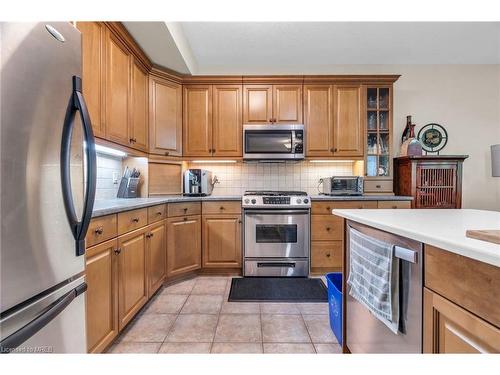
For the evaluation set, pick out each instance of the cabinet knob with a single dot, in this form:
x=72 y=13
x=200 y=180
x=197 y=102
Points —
x=185 y=209
x=332 y=150
x=222 y=207
x=213 y=151
x=135 y=219
x=328 y=208
x=133 y=140
x=378 y=186
x=158 y=213
x=118 y=251
x=185 y=219
x=149 y=235
x=328 y=229
x=328 y=255
x=394 y=207
x=99 y=230
x=167 y=153
x=239 y=221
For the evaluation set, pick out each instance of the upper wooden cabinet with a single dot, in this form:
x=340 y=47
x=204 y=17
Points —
x=265 y=104
x=212 y=123
x=348 y=129
x=93 y=54
x=227 y=121
x=117 y=89
x=197 y=120
x=318 y=119
x=139 y=107
x=333 y=122
x=165 y=117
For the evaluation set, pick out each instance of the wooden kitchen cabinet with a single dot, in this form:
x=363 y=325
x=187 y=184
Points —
x=165 y=117
x=139 y=107
x=326 y=256
x=156 y=249
x=268 y=104
x=348 y=125
x=132 y=277
x=318 y=120
x=227 y=120
x=448 y=328
x=117 y=86
x=221 y=237
x=197 y=120
x=93 y=62
x=101 y=297
x=183 y=244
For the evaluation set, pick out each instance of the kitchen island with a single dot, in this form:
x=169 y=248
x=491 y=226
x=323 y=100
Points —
x=460 y=283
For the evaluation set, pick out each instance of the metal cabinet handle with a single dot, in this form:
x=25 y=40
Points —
x=159 y=213
x=99 y=230
x=149 y=235
x=133 y=140
x=118 y=251
x=185 y=209
x=135 y=219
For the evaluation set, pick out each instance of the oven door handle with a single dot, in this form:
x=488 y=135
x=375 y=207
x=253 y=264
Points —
x=276 y=212
x=276 y=264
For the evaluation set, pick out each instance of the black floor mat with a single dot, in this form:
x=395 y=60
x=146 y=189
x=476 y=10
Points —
x=277 y=289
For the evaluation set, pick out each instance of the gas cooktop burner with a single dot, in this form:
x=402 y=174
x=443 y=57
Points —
x=275 y=193
x=275 y=199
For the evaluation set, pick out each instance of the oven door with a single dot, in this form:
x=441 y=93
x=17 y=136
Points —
x=276 y=233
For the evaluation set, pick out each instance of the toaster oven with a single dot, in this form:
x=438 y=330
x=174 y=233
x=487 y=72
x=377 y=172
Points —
x=342 y=185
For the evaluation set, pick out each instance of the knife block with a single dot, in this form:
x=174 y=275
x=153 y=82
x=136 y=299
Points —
x=128 y=187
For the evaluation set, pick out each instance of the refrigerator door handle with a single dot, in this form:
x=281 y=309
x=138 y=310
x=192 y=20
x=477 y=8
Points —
x=78 y=227
x=17 y=338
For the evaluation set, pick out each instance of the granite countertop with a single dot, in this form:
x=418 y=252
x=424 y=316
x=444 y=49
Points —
x=112 y=206
x=444 y=229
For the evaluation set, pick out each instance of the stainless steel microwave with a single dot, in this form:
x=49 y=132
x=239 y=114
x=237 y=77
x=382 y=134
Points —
x=273 y=142
x=342 y=185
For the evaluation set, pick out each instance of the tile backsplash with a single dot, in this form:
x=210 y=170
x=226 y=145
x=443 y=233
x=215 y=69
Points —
x=107 y=166
x=236 y=178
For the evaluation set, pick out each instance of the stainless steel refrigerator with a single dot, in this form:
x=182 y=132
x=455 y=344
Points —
x=48 y=172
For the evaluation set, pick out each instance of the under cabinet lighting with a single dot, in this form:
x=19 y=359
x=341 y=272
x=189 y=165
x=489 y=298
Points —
x=109 y=151
x=213 y=161
x=331 y=161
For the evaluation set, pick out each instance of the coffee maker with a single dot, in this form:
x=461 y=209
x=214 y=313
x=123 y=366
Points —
x=198 y=182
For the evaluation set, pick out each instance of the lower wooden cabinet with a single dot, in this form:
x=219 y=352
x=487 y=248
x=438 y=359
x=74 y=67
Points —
x=221 y=236
x=183 y=244
x=156 y=248
x=102 y=295
x=448 y=328
x=326 y=255
x=132 y=277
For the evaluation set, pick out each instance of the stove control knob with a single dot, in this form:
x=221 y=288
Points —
x=254 y=201
x=299 y=200
x=306 y=201
x=247 y=200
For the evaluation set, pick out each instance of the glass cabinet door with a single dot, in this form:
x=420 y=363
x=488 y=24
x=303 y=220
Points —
x=378 y=131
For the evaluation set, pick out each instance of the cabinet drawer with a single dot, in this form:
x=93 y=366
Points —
x=130 y=220
x=326 y=254
x=223 y=207
x=394 y=204
x=327 y=228
x=101 y=229
x=156 y=213
x=326 y=208
x=181 y=209
x=378 y=186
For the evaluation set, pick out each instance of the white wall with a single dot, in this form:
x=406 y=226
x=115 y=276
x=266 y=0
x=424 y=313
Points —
x=107 y=165
x=465 y=99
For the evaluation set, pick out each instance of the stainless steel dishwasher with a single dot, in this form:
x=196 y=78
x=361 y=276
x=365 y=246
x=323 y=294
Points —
x=364 y=332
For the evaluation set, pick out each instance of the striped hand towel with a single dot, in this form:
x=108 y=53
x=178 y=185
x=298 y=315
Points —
x=373 y=277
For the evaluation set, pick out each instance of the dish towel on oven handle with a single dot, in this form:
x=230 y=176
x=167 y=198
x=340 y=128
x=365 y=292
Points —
x=374 y=277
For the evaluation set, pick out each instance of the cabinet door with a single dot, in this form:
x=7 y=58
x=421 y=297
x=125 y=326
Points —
x=227 y=121
x=165 y=117
x=156 y=256
x=197 y=120
x=92 y=72
x=257 y=104
x=450 y=329
x=287 y=104
x=183 y=245
x=347 y=122
x=222 y=241
x=101 y=296
x=132 y=279
x=117 y=90
x=139 y=111
x=318 y=120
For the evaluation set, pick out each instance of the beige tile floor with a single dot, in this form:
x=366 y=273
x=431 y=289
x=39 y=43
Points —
x=194 y=316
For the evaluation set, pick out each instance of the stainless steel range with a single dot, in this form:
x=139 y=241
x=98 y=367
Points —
x=276 y=233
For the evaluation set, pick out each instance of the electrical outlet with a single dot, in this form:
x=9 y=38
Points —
x=115 y=178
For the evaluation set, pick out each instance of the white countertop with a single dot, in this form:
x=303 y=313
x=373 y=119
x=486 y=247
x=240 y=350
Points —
x=441 y=228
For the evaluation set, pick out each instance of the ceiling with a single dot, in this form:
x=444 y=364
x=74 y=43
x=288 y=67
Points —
x=312 y=47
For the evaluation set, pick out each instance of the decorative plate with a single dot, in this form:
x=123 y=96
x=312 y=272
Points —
x=433 y=137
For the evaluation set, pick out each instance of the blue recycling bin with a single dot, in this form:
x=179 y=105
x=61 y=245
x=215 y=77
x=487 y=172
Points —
x=334 y=281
